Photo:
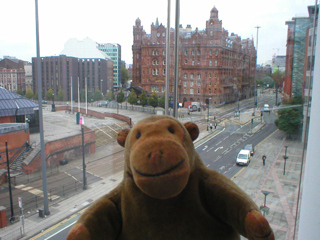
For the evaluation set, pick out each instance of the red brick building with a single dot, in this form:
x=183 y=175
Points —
x=212 y=64
x=12 y=74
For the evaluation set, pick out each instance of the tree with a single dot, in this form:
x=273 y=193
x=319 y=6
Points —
x=153 y=100
x=120 y=97
x=162 y=101
x=83 y=96
x=110 y=96
x=29 y=93
x=20 y=92
x=266 y=81
x=61 y=95
x=124 y=75
x=278 y=77
x=290 y=118
x=97 y=95
x=132 y=98
x=143 y=98
x=50 y=94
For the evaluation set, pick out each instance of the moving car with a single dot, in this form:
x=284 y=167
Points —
x=249 y=147
x=266 y=108
x=243 y=157
x=102 y=104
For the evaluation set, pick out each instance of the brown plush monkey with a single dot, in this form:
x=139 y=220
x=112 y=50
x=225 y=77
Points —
x=168 y=194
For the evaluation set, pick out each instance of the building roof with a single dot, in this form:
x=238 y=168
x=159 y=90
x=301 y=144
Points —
x=12 y=104
x=85 y=48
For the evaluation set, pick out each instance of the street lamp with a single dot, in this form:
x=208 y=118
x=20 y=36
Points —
x=208 y=104
x=53 y=107
x=255 y=79
x=12 y=217
x=264 y=208
x=285 y=160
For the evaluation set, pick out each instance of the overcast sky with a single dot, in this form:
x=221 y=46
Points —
x=112 y=22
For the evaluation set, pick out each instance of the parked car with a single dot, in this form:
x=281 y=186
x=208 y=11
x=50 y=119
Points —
x=266 y=108
x=243 y=157
x=102 y=104
x=249 y=147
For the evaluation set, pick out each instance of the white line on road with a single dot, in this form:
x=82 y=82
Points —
x=218 y=148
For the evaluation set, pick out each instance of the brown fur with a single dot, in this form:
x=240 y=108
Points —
x=167 y=193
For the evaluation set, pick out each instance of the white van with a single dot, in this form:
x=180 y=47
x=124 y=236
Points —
x=243 y=157
x=266 y=108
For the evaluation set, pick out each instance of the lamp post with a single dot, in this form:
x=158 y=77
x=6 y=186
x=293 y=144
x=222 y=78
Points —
x=264 y=208
x=12 y=217
x=208 y=105
x=83 y=161
x=53 y=109
x=285 y=160
x=255 y=78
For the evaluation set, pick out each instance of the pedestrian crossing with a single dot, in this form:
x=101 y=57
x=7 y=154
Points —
x=35 y=191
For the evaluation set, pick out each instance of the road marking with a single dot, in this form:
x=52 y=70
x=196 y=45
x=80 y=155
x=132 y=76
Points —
x=209 y=138
x=205 y=147
x=222 y=168
x=237 y=174
x=218 y=148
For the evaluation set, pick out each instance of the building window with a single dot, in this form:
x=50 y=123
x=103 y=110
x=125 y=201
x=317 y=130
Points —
x=185 y=76
x=198 y=52
x=185 y=83
x=215 y=63
x=198 y=83
x=210 y=64
x=164 y=71
x=209 y=90
x=192 y=62
x=186 y=61
x=210 y=52
x=155 y=71
x=191 y=76
x=192 y=52
x=198 y=90
x=191 y=83
x=199 y=76
x=154 y=89
x=184 y=91
x=198 y=61
x=191 y=91
x=185 y=52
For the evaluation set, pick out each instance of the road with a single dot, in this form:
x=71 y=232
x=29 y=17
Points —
x=218 y=153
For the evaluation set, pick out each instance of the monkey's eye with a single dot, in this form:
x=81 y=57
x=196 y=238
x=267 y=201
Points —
x=170 y=129
x=138 y=135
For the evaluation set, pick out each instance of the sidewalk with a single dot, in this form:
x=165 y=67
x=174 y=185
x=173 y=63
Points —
x=252 y=179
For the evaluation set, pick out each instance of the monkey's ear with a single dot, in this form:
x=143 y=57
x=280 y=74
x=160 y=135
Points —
x=122 y=136
x=193 y=130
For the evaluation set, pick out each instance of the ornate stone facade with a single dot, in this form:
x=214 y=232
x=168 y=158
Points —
x=212 y=64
